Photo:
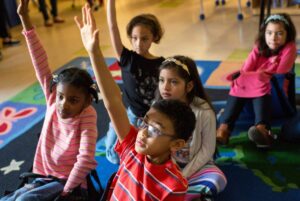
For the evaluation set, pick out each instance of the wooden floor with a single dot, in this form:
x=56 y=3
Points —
x=215 y=38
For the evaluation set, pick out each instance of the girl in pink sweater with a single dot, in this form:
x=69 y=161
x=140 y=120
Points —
x=66 y=147
x=274 y=53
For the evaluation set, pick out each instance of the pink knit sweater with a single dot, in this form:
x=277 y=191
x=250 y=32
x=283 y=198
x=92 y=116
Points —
x=256 y=73
x=66 y=147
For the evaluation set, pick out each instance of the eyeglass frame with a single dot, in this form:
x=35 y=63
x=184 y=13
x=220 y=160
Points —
x=148 y=126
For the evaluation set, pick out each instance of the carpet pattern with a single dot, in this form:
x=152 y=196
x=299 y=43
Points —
x=252 y=174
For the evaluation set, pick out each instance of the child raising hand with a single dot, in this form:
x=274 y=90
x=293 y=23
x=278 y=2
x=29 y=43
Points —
x=139 y=67
x=146 y=171
x=66 y=147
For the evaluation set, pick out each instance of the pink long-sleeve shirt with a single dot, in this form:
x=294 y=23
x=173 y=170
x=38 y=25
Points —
x=66 y=147
x=256 y=73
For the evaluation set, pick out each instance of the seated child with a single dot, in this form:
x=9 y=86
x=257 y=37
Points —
x=273 y=53
x=179 y=79
x=146 y=170
x=66 y=147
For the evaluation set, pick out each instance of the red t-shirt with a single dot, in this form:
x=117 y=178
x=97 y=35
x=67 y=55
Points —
x=138 y=179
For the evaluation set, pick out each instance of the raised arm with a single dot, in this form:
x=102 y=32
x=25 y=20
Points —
x=37 y=52
x=109 y=89
x=113 y=28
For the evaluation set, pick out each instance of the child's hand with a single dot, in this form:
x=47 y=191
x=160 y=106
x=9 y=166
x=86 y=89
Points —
x=23 y=8
x=88 y=29
x=264 y=75
x=232 y=76
x=274 y=59
x=24 y=16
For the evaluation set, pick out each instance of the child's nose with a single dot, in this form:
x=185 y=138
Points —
x=64 y=104
x=144 y=132
x=139 y=43
x=166 y=86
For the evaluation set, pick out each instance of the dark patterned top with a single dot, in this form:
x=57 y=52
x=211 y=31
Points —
x=140 y=77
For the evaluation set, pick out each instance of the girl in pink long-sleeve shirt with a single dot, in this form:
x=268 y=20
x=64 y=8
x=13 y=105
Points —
x=273 y=53
x=66 y=147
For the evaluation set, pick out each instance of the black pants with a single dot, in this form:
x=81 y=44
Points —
x=43 y=8
x=4 y=30
x=234 y=106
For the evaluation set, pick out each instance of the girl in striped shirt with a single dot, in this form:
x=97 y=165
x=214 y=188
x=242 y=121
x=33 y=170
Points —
x=66 y=147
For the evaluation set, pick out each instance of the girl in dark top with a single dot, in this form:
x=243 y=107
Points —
x=139 y=67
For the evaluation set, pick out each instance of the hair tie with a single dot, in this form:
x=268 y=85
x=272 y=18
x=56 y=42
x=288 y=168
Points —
x=277 y=17
x=93 y=86
x=177 y=62
x=55 y=78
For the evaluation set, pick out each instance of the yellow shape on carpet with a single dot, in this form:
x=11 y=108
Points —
x=238 y=55
x=218 y=77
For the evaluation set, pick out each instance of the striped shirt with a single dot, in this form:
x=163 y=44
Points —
x=66 y=147
x=139 y=179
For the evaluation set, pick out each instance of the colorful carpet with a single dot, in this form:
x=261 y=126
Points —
x=252 y=174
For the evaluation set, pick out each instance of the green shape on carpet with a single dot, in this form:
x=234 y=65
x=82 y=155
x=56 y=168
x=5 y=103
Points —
x=32 y=95
x=171 y=3
x=276 y=167
x=100 y=153
x=238 y=55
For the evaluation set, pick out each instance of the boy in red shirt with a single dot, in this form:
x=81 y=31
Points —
x=146 y=171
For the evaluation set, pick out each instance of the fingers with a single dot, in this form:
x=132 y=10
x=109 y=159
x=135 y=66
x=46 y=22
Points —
x=89 y=15
x=87 y=19
x=92 y=18
x=24 y=3
x=83 y=11
x=84 y=20
x=78 y=22
x=23 y=7
x=86 y=14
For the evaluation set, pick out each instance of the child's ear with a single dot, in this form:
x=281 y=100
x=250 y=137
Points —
x=177 y=145
x=189 y=86
x=88 y=101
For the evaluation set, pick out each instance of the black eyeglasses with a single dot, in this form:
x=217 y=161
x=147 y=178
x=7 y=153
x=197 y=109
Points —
x=152 y=131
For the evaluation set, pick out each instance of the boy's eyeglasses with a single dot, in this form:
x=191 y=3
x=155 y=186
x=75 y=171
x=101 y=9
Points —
x=152 y=131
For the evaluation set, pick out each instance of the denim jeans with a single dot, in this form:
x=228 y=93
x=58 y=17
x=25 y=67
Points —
x=39 y=189
x=43 y=8
x=234 y=106
x=4 y=29
x=111 y=139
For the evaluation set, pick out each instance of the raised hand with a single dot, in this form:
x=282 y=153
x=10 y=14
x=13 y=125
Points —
x=88 y=29
x=23 y=8
x=24 y=16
